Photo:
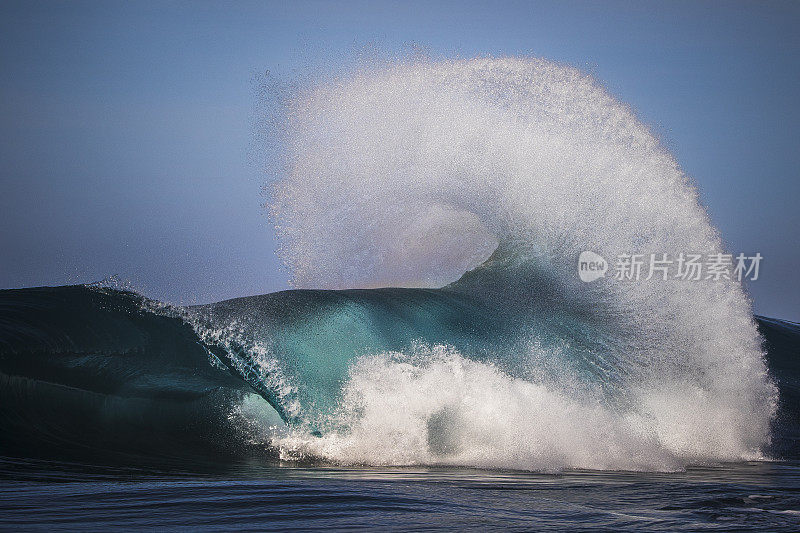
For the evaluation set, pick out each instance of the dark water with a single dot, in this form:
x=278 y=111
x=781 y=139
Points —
x=54 y=496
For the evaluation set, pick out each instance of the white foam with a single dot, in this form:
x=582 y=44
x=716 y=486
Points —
x=410 y=173
x=437 y=407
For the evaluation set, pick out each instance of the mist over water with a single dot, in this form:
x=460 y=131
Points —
x=410 y=174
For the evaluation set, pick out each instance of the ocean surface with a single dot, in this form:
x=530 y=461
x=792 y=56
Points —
x=440 y=363
x=116 y=416
x=757 y=496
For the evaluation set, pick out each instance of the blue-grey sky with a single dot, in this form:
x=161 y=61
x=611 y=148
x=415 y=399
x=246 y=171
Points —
x=126 y=128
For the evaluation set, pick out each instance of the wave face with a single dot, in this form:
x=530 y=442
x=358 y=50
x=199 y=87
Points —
x=92 y=375
x=408 y=175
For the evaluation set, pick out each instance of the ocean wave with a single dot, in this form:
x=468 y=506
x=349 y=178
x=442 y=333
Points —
x=467 y=190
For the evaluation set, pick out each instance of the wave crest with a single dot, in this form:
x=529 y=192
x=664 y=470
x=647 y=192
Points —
x=410 y=174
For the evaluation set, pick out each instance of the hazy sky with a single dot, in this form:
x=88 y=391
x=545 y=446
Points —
x=126 y=128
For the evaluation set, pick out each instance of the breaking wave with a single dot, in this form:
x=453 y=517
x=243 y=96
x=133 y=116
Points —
x=467 y=190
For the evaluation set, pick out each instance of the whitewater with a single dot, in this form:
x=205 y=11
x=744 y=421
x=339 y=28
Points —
x=488 y=177
x=431 y=214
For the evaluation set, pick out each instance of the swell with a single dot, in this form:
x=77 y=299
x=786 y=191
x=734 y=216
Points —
x=88 y=374
x=782 y=343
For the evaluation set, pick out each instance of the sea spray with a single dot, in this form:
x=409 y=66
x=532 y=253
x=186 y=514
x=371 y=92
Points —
x=412 y=173
x=471 y=189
